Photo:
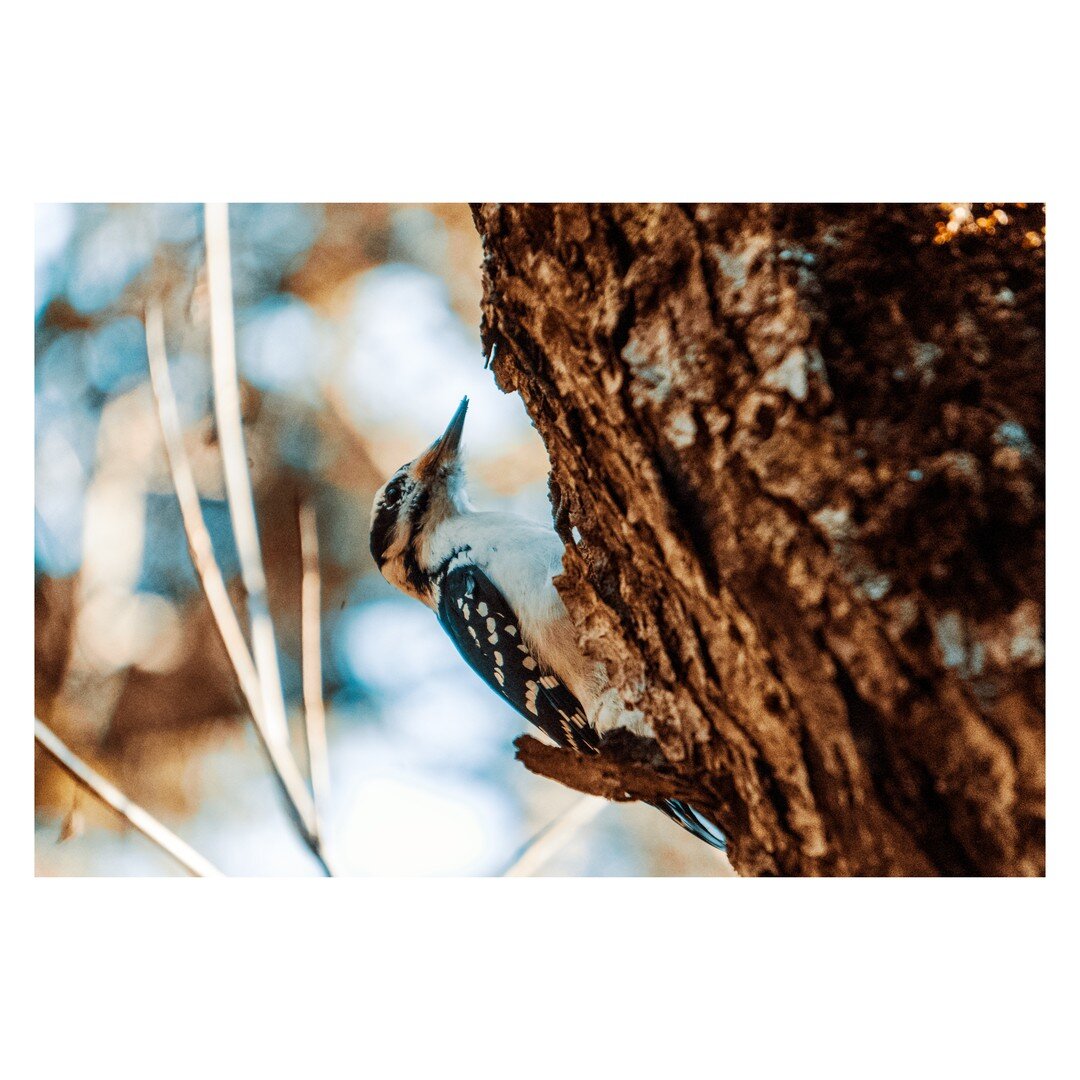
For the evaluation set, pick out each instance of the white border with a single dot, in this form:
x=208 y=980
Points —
x=643 y=978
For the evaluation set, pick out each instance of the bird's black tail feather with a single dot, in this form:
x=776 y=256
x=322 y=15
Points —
x=694 y=822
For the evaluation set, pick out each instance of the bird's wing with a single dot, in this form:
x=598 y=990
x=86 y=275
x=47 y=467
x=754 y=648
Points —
x=485 y=630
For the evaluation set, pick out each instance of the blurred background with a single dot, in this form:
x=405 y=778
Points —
x=357 y=335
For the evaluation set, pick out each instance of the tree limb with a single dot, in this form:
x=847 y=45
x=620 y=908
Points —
x=298 y=800
x=554 y=836
x=311 y=656
x=627 y=769
x=234 y=462
x=140 y=819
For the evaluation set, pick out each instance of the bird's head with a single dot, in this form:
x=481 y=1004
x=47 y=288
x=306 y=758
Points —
x=420 y=495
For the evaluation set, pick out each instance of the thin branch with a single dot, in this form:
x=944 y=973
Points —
x=311 y=653
x=194 y=863
x=554 y=836
x=298 y=800
x=198 y=536
x=234 y=461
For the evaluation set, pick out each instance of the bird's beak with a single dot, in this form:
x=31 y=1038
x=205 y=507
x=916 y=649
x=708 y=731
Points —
x=444 y=449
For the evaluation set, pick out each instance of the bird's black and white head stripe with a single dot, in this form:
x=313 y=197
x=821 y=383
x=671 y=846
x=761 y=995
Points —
x=418 y=496
x=386 y=513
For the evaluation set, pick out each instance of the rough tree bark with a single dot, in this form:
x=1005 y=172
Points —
x=797 y=459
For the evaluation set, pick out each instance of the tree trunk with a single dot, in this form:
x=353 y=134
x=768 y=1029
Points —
x=797 y=460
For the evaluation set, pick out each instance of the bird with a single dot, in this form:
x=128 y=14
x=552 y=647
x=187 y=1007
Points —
x=488 y=577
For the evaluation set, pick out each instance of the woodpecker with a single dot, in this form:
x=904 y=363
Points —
x=489 y=579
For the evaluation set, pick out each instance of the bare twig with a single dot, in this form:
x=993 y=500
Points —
x=135 y=815
x=299 y=801
x=234 y=461
x=311 y=651
x=198 y=537
x=554 y=836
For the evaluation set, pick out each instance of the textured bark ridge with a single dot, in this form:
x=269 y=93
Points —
x=797 y=459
